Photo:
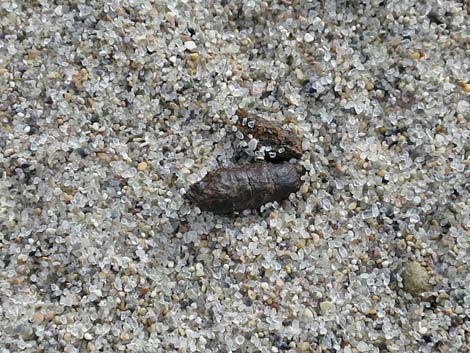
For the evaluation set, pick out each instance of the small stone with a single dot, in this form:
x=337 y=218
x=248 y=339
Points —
x=88 y=336
x=190 y=45
x=449 y=311
x=381 y=130
x=315 y=238
x=239 y=340
x=191 y=64
x=84 y=74
x=416 y=55
x=362 y=347
x=170 y=17
x=142 y=166
x=120 y=11
x=77 y=81
x=25 y=331
x=304 y=347
x=194 y=57
x=50 y=315
x=33 y=54
x=338 y=166
x=307 y=314
x=369 y=85
x=326 y=306
x=444 y=348
x=352 y=206
x=245 y=42
x=251 y=294
x=415 y=278
x=199 y=270
x=463 y=106
x=288 y=269
x=300 y=74
x=90 y=347
x=122 y=305
x=38 y=317
x=173 y=106
x=8 y=152
x=54 y=75
x=265 y=286
x=422 y=329
x=68 y=197
x=301 y=243
x=308 y=38
x=103 y=156
x=439 y=128
x=465 y=86
x=67 y=96
x=125 y=336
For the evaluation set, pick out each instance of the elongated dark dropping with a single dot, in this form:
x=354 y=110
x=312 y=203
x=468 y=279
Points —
x=226 y=190
x=280 y=144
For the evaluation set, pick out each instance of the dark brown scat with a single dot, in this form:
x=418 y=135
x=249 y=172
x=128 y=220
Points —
x=284 y=143
x=227 y=190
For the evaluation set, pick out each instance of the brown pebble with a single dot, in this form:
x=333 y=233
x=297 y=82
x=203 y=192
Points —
x=304 y=347
x=120 y=11
x=449 y=311
x=142 y=166
x=352 y=206
x=77 y=81
x=381 y=130
x=416 y=55
x=194 y=57
x=38 y=317
x=68 y=197
x=381 y=173
x=67 y=96
x=103 y=156
x=143 y=291
x=122 y=305
x=465 y=86
x=50 y=315
x=173 y=106
x=54 y=75
x=125 y=336
x=90 y=347
x=16 y=281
